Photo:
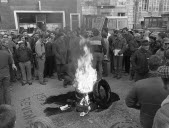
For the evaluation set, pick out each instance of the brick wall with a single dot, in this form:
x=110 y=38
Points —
x=7 y=15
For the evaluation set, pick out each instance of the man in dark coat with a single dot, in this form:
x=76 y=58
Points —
x=127 y=54
x=133 y=46
x=148 y=94
x=60 y=50
x=140 y=61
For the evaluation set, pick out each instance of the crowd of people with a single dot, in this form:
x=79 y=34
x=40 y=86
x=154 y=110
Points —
x=144 y=56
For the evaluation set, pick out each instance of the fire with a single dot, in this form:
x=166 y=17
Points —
x=85 y=76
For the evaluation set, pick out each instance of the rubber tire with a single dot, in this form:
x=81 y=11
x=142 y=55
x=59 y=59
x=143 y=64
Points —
x=102 y=102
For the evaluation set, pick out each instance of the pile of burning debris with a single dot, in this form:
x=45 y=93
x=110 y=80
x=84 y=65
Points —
x=90 y=93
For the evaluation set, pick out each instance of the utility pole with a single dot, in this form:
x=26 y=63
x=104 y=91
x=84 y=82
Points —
x=136 y=6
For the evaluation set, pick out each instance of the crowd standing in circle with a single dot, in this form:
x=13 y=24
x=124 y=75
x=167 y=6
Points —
x=27 y=58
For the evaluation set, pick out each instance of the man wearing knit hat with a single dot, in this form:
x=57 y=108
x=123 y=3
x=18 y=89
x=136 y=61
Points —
x=148 y=94
x=139 y=61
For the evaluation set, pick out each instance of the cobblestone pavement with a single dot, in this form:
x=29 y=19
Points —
x=28 y=102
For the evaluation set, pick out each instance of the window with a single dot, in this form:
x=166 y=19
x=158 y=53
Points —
x=4 y=1
x=166 y=5
x=144 y=5
x=54 y=18
x=121 y=14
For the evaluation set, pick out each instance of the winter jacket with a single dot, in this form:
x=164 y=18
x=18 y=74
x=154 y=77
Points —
x=48 y=49
x=128 y=38
x=98 y=44
x=23 y=54
x=60 y=49
x=119 y=44
x=161 y=119
x=133 y=46
x=40 y=49
x=111 y=39
x=147 y=96
x=139 y=61
x=5 y=60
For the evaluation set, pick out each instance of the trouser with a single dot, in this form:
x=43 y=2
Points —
x=5 y=96
x=147 y=121
x=59 y=70
x=106 y=68
x=34 y=66
x=118 y=60
x=111 y=63
x=97 y=63
x=26 y=72
x=49 y=66
x=140 y=76
x=41 y=66
x=127 y=63
x=12 y=73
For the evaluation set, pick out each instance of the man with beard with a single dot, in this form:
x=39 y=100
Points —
x=139 y=61
x=148 y=94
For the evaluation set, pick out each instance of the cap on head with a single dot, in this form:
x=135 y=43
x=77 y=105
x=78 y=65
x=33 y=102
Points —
x=166 y=40
x=164 y=71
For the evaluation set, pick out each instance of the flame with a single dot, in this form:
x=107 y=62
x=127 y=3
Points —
x=85 y=76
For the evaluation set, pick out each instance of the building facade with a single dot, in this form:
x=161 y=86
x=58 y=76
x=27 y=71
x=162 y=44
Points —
x=109 y=8
x=28 y=14
x=151 y=8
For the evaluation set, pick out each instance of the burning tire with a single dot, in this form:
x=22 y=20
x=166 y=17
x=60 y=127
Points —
x=102 y=93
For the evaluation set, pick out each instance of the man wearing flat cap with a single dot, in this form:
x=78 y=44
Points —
x=148 y=94
x=139 y=61
x=161 y=119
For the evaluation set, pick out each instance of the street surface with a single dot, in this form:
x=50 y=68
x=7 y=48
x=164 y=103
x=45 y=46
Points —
x=28 y=102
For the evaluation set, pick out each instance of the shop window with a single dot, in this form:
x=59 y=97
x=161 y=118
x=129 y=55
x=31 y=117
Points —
x=27 y=18
x=54 y=18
